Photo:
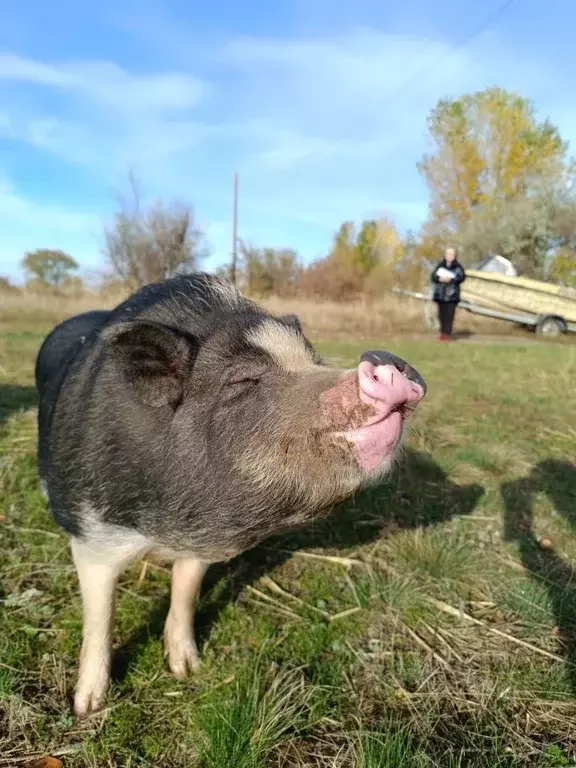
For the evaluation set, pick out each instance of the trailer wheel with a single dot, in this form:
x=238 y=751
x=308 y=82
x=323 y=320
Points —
x=550 y=326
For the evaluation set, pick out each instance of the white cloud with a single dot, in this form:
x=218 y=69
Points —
x=365 y=94
x=107 y=84
x=100 y=115
x=107 y=146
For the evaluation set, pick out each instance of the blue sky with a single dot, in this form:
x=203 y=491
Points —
x=320 y=106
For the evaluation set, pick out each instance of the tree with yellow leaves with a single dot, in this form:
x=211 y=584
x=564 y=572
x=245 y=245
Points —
x=361 y=260
x=492 y=173
x=489 y=148
x=387 y=255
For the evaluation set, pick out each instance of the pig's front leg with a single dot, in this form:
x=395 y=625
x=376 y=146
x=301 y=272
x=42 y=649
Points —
x=98 y=573
x=180 y=645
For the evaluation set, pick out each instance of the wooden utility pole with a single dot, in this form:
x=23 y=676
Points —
x=233 y=268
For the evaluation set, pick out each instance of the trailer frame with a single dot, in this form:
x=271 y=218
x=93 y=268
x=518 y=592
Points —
x=549 y=325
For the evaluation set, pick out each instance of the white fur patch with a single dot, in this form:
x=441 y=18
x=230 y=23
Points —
x=106 y=543
x=283 y=344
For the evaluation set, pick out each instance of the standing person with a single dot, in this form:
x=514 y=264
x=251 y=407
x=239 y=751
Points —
x=447 y=276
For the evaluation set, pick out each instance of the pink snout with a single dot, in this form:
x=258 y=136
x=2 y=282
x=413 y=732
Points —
x=386 y=388
x=392 y=388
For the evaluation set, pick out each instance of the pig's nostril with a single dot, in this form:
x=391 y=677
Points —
x=381 y=358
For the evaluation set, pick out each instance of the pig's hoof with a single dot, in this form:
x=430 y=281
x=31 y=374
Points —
x=182 y=653
x=87 y=700
x=91 y=688
x=183 y=658
x=181 y=666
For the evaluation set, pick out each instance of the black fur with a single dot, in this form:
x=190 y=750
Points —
x=62 y=343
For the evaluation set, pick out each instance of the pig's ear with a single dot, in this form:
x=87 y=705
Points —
x=291 y=320
x=153 y=358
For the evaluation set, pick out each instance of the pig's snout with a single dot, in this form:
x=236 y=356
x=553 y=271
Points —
x=391 y=388
x=378 y=378
x=387 y=382
x=386 y=389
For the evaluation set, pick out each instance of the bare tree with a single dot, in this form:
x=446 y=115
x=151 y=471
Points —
x=145 y=245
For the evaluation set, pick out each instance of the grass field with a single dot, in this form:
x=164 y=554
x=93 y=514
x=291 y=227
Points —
x=431 y=622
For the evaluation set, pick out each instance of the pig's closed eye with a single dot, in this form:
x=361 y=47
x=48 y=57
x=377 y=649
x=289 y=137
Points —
x=244 y=382
x=238 y=388
x=242 y=379
x=239 y=385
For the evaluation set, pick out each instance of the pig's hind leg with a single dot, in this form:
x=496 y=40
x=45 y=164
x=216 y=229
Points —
x=179 y=641
x=98 y=571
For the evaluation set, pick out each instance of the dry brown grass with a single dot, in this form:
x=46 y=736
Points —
x=25 y=310
x=332 y=321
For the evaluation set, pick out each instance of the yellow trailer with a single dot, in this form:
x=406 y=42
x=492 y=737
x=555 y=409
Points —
x=494 y=289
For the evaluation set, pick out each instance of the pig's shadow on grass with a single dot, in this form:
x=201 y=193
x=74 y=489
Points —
x=557 y=480
x=14 y=398
x=418 y=494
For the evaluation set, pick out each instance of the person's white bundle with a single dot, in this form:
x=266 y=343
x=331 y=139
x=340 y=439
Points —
x=443 y=272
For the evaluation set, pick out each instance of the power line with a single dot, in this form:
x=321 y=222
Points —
x=491 y=18
x=426 y=70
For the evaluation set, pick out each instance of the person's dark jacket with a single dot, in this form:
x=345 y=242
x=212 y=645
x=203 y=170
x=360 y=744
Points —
x=448 y=292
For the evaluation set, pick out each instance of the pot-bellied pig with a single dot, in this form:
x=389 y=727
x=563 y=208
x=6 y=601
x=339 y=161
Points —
x=189 y=423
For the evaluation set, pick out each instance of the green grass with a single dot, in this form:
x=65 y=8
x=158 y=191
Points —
x=393 y=680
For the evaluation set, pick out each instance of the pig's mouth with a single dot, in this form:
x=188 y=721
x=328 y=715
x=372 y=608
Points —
x=388 y=391
x=374 y=442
